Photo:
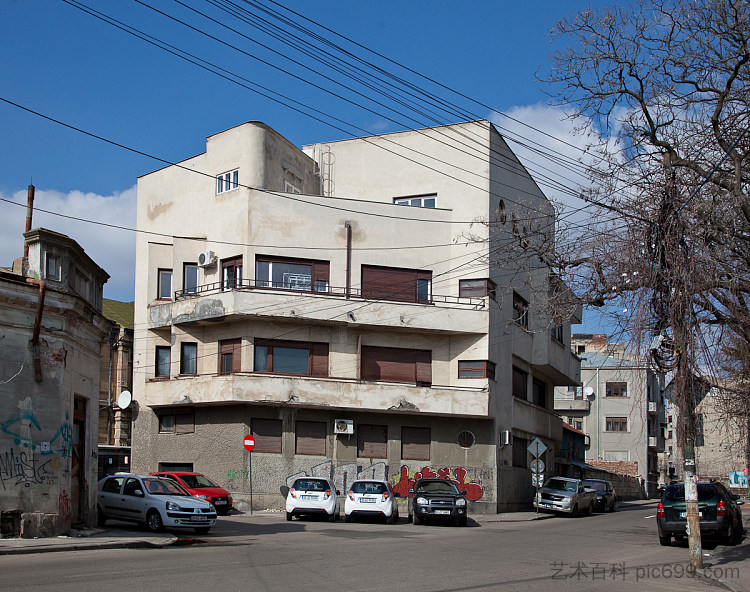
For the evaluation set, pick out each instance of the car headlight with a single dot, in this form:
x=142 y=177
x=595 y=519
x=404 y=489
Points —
x=422 y=501
x=203 y=497
x=460 y=502
x=174 y=506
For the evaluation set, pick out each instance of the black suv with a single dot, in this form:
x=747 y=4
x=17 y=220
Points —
x=439 y=499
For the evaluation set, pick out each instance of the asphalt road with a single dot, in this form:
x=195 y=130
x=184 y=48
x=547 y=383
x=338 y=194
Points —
x=614 y=552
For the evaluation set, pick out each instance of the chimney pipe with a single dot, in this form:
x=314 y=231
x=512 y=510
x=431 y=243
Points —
x=29 y=212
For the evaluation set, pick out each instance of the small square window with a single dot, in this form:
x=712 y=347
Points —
x=166 y=424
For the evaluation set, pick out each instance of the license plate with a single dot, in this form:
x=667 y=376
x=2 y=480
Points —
x=684 y=514
x=309 y=497
x=367 y=500
x=220 y=503
x=442 y=511
x=197 y=518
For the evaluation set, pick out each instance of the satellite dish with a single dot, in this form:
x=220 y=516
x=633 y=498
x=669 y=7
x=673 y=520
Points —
x=124 y=400
x=588 y=392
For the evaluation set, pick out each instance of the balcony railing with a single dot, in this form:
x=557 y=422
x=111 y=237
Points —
x=301 y=288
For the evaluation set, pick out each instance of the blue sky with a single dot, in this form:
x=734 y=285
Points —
x=67 y=65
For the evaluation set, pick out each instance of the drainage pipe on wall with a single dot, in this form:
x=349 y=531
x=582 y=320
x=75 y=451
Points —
x=37 y=327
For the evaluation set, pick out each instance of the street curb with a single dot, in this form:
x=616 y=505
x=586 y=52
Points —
x=136 y=544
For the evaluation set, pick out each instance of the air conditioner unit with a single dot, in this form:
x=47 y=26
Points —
x=343 y=426
x=505 y=438
x=206 y=259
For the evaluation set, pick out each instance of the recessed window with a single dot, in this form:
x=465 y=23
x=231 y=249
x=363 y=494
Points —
x=519 y=383
x=227 y=181
x=520 y=310
x=396 y=364
x=616 y=424
x=52 y=267
x=178 y=422
x=188 y=358
x=291 y=357
x=166 y=424
x=291 y=274
x=230 y=359
x=164 y=289
x=617 y=389
x=520 y=452
x=466 y=439
x=478 y=288
x=539 y=393
x=163 y=361
x=190 y=278
x=267 y=434
x=476 y=369
x=556 y=331
x=372 y=441
x=417 y=201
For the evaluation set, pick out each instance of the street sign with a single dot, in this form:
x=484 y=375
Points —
x=537 y=448
x=249 y=443
x=537 y=479
x=537 y=466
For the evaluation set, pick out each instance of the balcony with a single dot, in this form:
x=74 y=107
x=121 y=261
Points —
x=211 y=303
x=564 y=404
x=330 y=393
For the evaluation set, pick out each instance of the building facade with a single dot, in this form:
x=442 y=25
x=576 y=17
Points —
x=51 y=331
x=344 y=304
x=619 y=406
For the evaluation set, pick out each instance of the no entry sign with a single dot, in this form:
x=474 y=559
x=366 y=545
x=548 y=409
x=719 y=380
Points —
x=249 y=443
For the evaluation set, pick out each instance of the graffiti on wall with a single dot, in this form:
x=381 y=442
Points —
x=64 y=506
x=344 y=474
x=21 y=467
x=21 y=428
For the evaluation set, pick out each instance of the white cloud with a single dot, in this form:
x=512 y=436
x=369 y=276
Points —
x=111 y=248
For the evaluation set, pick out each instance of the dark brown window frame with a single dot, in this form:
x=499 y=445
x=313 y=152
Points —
x=620 y=422
x=401 y=360
x=231 y=347
x=616 y=389
x=320 y=271
x=157 y=374
x=398 y=284
x=317 y=356
x=183 y=421
x=182 y=358
x=488 y=288
x=485 y=367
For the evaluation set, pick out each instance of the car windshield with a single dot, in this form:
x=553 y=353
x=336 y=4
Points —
x=311 y=485
x=196 y=481
x=676 y=492
x=164 y=487
x=597 y=485
x=437 y=487
x=368 y=487
x=561 y=485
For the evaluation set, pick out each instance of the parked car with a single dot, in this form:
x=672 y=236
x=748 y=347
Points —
x=565 y=495
x=606 y=498
x=312 y=496
x=371 y=498
x=203 y=488
x=437 y=499
x=719 y=512
x=154 y=501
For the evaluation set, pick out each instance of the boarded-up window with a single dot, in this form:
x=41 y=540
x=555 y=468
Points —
x=394 y=283
x=519 y=383
x=310 y=437
x=372 y=441
x=393 y=364
x=230 y=358
x=415 y=443
x=267 y=434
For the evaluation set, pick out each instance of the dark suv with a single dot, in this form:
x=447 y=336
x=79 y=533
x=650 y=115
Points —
x=439 y=499
x=720 y=514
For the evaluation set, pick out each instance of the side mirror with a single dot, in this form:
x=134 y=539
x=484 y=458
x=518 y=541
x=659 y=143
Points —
x=740 y=502
x=284 y=490
x=138 y=493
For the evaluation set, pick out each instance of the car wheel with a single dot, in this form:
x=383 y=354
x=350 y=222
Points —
x=288 y=516
x=574 y=513
x=347 y=518
x=613 y=507
x=202 y=530
x=153 y=521
x=730 y=536
x=101 y=519
x=332 y=517
x=665 y=541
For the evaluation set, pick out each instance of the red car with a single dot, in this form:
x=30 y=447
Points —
x=202 y=487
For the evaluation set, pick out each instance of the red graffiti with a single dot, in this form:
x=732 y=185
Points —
x=474 y=491
x=63 y=503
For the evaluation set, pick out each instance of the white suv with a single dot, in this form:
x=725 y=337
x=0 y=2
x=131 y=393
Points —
x=311 y=495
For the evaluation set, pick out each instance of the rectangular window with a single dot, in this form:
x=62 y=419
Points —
x=476 y=369
x=394 y=364
x=519 y=383
x=164 y=289
x=179 y=422
x=163 y=360
x=417 y=201
x=520 y=310
x=230 y=358
x=415 y=443
x=579 y=425
x=557 y=333
x=267 y=434
x=520 y=452
x=477 y=288
x=616 y=424
x=227 y=181
x=190 y=278
x=304 y=275
x=188 y=358
x=310 y=437
x=617 y=389
x=394 y=283
x=52 y=267
x=291 y=357
x=166 y=423
x=231 y=273
x=372 y=441
x=539 y=393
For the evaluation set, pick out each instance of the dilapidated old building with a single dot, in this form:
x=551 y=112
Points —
x=51 y=330
x=361 y=307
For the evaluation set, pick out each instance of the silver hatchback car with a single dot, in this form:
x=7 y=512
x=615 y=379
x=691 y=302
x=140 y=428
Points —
x=156 y=502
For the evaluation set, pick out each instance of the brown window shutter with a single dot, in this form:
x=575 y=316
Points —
x=415 y=443
x=233 y=347
x=372 y=441
x=389 y=364
x=310 y=437
x=423 y=363
x=267 y=434
x=389 y=283
x=321 y=271
x=319 y=359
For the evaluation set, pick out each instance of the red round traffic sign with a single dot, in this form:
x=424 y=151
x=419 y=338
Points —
x=249 y=443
